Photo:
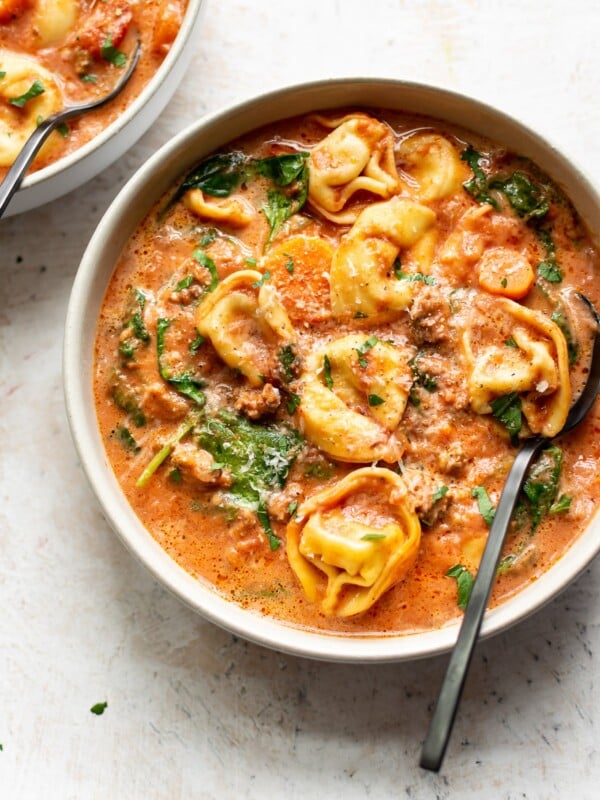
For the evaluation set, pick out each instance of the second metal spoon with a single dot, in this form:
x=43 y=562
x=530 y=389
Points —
x=444 y=714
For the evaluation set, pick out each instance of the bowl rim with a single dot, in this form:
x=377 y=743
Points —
x=70 y=160
x=87 y=294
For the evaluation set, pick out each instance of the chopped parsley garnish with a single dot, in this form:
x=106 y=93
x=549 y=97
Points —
x=440 y=492
x=262 y=280
x=175 y=475
x=110 y=53
x=375 y=400
x=258 y=457
x=367 y=345
x=185 y=383
x=327 y=372
x=507 y=409
x=486 y=508
x=2 y=74
x=99 y=708
x=464 y=581
x=510 y=342
x=373 y=537
x=35 y=90
x=209 y=237
x=87 y=77
x=289 y=264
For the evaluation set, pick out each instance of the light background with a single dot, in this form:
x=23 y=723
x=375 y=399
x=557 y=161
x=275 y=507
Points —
x=193 y=712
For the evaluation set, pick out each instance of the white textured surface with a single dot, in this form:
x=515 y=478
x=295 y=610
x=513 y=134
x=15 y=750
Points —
x=194 y=713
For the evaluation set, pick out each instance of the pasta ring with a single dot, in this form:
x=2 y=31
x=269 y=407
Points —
x=359 y=559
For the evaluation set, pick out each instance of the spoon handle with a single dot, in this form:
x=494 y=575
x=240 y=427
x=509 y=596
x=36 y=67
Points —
x=16 y=173
x=442 y=720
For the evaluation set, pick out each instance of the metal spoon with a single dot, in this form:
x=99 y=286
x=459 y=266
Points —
x=444 y=714
x=16 y=173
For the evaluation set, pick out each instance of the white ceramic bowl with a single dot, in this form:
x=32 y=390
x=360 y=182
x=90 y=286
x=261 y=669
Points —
x=96 y=155
x=135 y=200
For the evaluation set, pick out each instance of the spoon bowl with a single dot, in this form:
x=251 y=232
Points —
x=444 y=713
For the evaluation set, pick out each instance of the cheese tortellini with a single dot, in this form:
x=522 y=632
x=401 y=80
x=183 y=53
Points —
x=353 y=398
x=433 y=162
x=234 y=211
x=511 y=348
x=363 y=282
x=357 y=155
x=351 y=542
x=54 y=19
x=246 y=323
x=20 y=76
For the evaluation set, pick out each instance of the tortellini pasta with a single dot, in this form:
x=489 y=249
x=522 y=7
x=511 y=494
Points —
x=234 y=211
x=363 y=282
x=353 y=398
x=351 y=542
x=19 y=74
x=245 y=322
x=434 y=164
x=511 y=348
x=357 y=155
x=54 y=19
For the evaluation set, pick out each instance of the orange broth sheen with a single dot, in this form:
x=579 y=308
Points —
x=445 y=443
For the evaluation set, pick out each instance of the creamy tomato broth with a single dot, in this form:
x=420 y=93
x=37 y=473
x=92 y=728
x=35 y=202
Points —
x=55 y=53
x=319 y=352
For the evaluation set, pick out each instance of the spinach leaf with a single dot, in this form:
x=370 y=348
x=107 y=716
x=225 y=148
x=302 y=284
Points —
x=375 y=400
x=364 y=349
x=285 y=169
x=185 y=383
x=477 y=186
x=486 y=508
x=525 y=197
x=259 y=458
x=440 y=492
x=549 y=268
x=414 y=277
x=421 y=378
x=126 y=400
x=507 y=409
x=541 y=486
x=287 y=359
x=217 y=175
x=560 y=318
x=464 y=581
x=206 y=261
x=123 y=434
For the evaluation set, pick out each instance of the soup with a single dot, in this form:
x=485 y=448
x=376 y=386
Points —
x=55 y=53
x=318 y=354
